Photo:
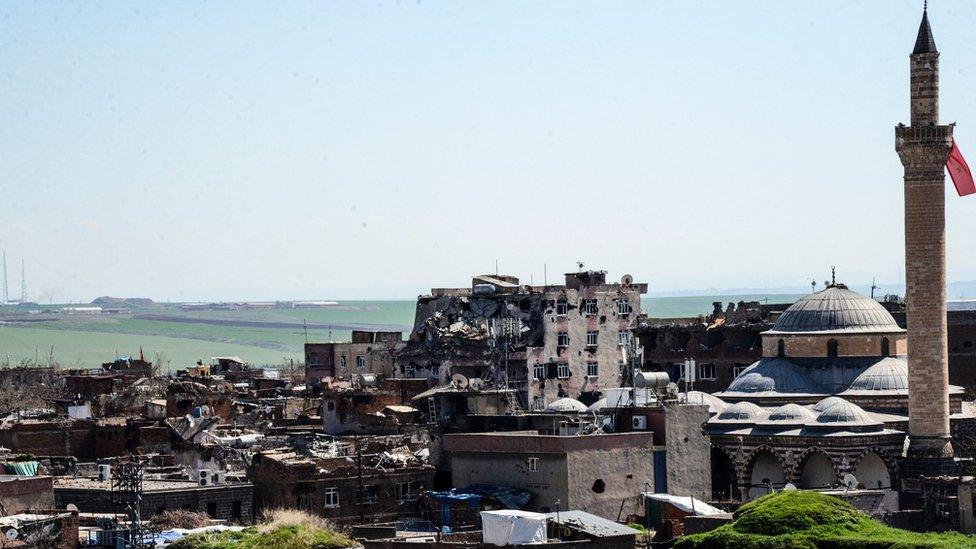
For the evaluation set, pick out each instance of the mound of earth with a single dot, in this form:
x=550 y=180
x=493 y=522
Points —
x=108 y=301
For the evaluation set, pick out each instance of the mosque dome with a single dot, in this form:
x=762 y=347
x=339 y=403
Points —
x=836 y=309
x=826 y=403
x=741 y=412
x=841 y=413
x=790 y=414
x=888 y=374
x=715 y=404
x=773 y=375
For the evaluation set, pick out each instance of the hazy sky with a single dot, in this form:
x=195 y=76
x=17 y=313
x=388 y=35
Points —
x=228 y=150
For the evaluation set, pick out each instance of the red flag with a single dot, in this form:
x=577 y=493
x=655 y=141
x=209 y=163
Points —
x=962 y=178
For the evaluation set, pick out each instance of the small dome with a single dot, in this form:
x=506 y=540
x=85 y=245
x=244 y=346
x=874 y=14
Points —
x=715 y=404
x=888 y=374
x=773 y=375
x=841 y=412
x=564 y=405
x=741 y=411
x=836 y=309
x=790 y=413
x=826 y=403
x=597 y=406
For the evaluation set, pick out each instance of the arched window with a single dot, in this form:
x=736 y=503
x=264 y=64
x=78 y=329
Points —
x=781 y=348
x=885 y=347
x=832 y=348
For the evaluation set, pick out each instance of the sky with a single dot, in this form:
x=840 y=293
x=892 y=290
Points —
x=365 y=150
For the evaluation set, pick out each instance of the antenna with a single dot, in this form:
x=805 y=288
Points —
x=813 y=285
x=6 y=295
x=833 y=275
x=873 y=287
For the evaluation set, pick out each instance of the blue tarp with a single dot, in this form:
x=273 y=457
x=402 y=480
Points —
x=512 y=498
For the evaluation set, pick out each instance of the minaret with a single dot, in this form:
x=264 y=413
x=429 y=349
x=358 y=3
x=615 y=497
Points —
x=924 y=147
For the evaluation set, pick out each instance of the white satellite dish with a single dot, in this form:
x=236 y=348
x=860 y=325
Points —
x=11 y=534
x=790 y=487
x=459 y=380
x=626 y=280
x=850 y=481
x=476 y=383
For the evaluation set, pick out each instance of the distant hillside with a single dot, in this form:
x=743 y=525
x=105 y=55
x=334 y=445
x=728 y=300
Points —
x=107 y=301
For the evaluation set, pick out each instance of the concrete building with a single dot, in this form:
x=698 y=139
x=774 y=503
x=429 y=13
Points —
x=601 y=474
x=547 y=342
x=19 y=493
x=229 y=501
x=369 y=352
x=924 y=148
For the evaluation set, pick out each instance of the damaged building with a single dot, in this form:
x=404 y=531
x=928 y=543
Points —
x=547 y=342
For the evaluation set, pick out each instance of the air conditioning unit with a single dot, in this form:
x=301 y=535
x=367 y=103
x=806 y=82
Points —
x=204 y=477
x=217 y=477
x=639 y=423
x=104 y=473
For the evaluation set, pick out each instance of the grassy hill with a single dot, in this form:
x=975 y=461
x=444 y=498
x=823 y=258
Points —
x=800 y=519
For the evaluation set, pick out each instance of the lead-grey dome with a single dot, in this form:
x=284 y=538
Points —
x=839 y=412
x=888 y=374
x=773 y=375
x=836 y=309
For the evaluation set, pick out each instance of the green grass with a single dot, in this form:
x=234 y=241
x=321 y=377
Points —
x=280 y=529
x=802 y=519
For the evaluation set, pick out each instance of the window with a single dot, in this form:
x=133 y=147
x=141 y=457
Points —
x=360 y=363
x=405 y=491
x=706 y=371
x=885 y=347
x=539 y=403
x=562 y=339
x=533 y=464
x=235 y=509
x=330 y=405
x=409 y=371
x=562 y=307
x=314 y=359
x=367 y=494
x=589 y=306
x=738 y=369
x=623 y=307
x=331 y=498
x=212 y=509
x=781 y=348
x=593 y=369
x=539 y=370
x=592 y=337
x=563 y=371
x=342 y=363
x=832 y=348
x=623 y=337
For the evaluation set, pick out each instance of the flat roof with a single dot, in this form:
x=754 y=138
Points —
x=148 y=485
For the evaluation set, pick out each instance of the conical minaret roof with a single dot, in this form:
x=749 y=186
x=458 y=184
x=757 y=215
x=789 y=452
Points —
x=925 y=43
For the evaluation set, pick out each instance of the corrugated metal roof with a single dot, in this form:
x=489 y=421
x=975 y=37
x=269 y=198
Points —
x=591 y=524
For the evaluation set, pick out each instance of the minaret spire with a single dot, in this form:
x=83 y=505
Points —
x=925 y=42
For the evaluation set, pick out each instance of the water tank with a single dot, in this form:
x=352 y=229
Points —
x=658 y=381
x=367 y=380
x=484 y=289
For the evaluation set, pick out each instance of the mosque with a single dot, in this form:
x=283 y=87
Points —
x=841 y=389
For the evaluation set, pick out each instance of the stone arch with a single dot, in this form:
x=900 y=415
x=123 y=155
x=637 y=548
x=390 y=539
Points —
x=764 y=470
x=870 y=470
x=725 y=474
x=816 y=469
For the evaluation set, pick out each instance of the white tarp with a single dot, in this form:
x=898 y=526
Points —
x=512 y=527
x=687 y=504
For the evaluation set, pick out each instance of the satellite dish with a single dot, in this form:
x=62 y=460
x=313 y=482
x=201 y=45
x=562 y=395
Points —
x=11 y=534
x=790 y=487
x=850 y=481
x=627 y=280
x=476 y=383
x=459 y=380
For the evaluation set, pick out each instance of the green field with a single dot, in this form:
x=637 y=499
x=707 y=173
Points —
x=89 y=340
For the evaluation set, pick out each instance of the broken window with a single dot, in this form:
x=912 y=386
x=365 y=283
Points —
x=539 y=370
x=539 y=403
x=406 y=491
x=563 y=371
x=342 y=363
x=623 y=337
x=360 y=363
x=533 y=464
x=599 y=486
x=331 y=498
x=593 y=369
x=706 y=371
x=590 y=307
x=623 y=307
x=562 y=307
x=562 y=339
x=592 y=337
x=367 y=494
